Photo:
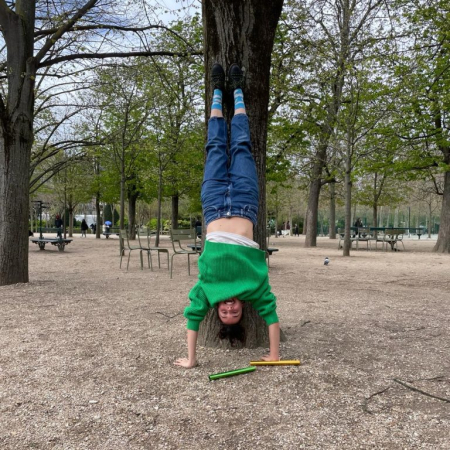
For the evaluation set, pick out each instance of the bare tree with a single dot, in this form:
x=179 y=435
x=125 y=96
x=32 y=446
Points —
x=344 y=28
x=45 y=39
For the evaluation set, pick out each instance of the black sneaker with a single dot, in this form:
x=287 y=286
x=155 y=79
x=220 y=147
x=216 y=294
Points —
x=218 y=77
x=235 y=77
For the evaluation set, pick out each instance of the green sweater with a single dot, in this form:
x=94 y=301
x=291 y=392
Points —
x=226 y=271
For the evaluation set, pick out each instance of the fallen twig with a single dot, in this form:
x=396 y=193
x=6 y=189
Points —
x=365 y=405
x=412 y=388
x=167 y=315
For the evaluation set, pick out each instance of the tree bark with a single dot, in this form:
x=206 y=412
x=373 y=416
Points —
x=243 y=32
x=348 y=197
x=122 y=192
x=132 y=199
x=175 y=203
x=97 y=215
x=70 y=209
x=443 y=241
x=159 y=201
x=312 y=211
x=16 y=138
x=332 y=225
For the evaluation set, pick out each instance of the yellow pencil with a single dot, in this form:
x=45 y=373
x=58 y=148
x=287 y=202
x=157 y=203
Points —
x=287 y=362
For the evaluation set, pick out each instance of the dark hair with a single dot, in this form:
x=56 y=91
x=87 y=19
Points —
x=234 y=333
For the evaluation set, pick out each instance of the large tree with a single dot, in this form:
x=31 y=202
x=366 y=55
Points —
x=243 y=33
x=45 y=39
x=423 y=115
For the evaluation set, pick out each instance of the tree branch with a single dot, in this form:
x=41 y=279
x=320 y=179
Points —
x=72 y=57
x=116 y=28
x=50 y=42
x=412 y=388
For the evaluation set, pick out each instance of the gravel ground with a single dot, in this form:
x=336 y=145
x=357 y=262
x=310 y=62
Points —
x=87 y=351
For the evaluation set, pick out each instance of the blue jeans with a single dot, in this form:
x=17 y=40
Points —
x=230 y=183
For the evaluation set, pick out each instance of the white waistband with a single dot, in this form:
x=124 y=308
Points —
x=230 y=238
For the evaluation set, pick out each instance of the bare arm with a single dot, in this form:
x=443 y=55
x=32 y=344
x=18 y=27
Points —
x=191 y=360
x=274 y=343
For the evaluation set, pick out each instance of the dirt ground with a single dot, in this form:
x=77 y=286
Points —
x=87 y=351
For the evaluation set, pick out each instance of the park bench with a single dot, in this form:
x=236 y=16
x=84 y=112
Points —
x=58 y=241
x=111 y=231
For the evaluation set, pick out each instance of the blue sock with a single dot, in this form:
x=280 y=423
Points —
x=217 y=99
x=238 y=99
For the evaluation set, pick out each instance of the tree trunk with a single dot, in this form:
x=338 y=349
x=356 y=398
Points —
x=332 y=226
x=430 y=212
x=375 y=217
x=329 y=124
x=243 y=33
x=158 y=210
x=97 y=215
x=70 y=210
x=313 y=199
x=122 y=194
x=175 y=203
x=348 y=204
x=132 y=199
x=443 y=241
x=305 y=222
x=16 y=138
x=14 y=199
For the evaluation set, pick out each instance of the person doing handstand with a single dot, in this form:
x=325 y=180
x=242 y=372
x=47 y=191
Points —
x=232 y=268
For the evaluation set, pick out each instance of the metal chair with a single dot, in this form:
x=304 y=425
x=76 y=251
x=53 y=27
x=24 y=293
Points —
x=400 y=234
x=364 y=235
x=159 y=250
x=341 y=232
x=178 y=236
x=125 y=240
x=145 y=245
x=393 y=236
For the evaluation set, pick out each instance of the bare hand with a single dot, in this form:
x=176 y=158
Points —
x=186 y=363
x=269 y=357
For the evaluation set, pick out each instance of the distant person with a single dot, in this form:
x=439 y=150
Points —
x=58 y=224
x=93 y=228
x=198 y=227
x=84 y=228
x=296 y=230
x=358 y=224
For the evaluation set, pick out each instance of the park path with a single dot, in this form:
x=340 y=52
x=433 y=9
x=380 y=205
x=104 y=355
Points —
x=86 y=352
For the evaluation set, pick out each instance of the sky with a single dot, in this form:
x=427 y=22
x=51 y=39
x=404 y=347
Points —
x=169 y=9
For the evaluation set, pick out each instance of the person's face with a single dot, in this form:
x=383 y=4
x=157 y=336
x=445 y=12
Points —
x=230 y=311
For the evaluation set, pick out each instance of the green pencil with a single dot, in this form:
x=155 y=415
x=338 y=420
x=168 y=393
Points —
x=231 y=373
